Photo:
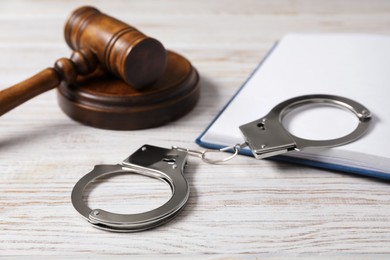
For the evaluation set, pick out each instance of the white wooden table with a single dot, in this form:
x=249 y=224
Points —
x=245 y=209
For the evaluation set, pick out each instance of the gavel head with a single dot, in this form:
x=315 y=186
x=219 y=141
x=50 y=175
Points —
x=121 y=49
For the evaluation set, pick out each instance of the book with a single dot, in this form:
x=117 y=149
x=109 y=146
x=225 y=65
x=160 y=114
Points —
x=354 y=66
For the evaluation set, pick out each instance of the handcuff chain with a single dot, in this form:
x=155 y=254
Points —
x=202 y=154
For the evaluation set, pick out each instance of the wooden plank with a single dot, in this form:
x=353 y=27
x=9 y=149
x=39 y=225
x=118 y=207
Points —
x=245 y=208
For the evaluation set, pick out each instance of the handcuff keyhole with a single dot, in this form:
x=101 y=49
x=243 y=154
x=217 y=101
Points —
x=169 y=160
x=261 y=126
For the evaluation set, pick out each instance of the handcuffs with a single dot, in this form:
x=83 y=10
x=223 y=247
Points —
x=265 y=137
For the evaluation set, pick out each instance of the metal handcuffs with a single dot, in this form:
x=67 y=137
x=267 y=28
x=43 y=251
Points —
x=265 y=137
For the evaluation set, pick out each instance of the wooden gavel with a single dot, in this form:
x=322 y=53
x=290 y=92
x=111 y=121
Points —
x=97 y=39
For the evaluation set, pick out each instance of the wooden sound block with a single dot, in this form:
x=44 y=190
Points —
x=104 y=101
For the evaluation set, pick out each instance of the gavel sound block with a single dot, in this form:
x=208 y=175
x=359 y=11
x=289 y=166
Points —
x=116 y=78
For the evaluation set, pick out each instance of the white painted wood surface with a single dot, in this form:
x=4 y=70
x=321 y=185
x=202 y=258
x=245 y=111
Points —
x=247 y=207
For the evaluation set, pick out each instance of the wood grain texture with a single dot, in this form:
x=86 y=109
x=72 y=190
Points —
x=246 y=209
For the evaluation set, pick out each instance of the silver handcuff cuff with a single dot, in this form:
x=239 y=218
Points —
x=265 y=137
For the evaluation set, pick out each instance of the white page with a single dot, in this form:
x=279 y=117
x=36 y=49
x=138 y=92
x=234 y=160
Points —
x=349 y=65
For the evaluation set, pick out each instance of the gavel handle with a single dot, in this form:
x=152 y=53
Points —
x=14 y=96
